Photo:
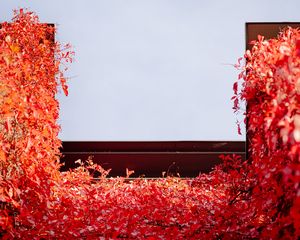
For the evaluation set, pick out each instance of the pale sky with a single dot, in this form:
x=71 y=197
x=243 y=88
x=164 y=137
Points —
x=152 y=70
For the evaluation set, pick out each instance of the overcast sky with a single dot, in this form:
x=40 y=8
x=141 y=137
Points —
x=152 y=70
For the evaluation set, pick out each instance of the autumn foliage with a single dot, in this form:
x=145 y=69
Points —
x=257 y=198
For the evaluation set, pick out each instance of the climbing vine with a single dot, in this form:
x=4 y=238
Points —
x=256 y=198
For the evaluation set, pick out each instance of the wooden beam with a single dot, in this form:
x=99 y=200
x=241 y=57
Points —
x=151 y=159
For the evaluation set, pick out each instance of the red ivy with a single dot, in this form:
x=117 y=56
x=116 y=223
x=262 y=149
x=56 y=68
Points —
x=258 y=198
x=270 y=85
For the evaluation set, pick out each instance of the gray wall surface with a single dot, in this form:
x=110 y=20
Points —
x=152 y=70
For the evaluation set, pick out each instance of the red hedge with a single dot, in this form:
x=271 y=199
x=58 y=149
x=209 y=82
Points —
x=258 y=198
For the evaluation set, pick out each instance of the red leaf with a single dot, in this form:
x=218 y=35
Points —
x=235 y=88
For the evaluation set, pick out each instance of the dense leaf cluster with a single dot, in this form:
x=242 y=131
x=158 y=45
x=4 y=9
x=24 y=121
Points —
x=257 y=198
